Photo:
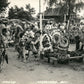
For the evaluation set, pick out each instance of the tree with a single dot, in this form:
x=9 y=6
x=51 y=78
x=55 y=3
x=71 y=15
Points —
x=30 y=10
x=67 y=8
x=3 y=5
x=13 y=12
x=67 y=5
x=21 y=13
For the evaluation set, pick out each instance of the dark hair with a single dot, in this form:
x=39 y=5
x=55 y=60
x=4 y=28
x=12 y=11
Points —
x=38 y=32
x=21 y=34
x=4 y=31
x=32 y=26
x=43 y=32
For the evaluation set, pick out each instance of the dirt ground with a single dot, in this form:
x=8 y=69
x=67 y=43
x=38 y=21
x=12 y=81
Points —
x=40 y=72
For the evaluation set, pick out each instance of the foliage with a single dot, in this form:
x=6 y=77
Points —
x=67 y=5
x=3 y=5
x=21 y=13
x=29 y=9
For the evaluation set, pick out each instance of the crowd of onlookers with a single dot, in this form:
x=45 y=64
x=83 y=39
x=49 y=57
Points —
x=75 y=32
x=14 y=30
x=28 y=35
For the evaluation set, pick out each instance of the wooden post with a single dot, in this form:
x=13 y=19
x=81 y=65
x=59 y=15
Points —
x=40 y=19
x=65 y=18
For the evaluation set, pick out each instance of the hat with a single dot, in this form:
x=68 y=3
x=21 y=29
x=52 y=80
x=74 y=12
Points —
x=38 y=31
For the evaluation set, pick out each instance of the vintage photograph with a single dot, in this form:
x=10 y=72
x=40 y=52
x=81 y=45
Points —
x=41 y=41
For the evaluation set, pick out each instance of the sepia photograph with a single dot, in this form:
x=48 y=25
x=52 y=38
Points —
x=41 y=41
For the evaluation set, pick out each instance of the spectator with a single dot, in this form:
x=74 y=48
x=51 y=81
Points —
x=82 y=40
x=77 y=40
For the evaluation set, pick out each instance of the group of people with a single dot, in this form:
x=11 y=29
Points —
x=28 y=39
x=76 y=33
x=79 y=39
x=3 y=46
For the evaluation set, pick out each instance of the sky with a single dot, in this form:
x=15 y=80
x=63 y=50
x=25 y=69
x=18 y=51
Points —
x=33 y=3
